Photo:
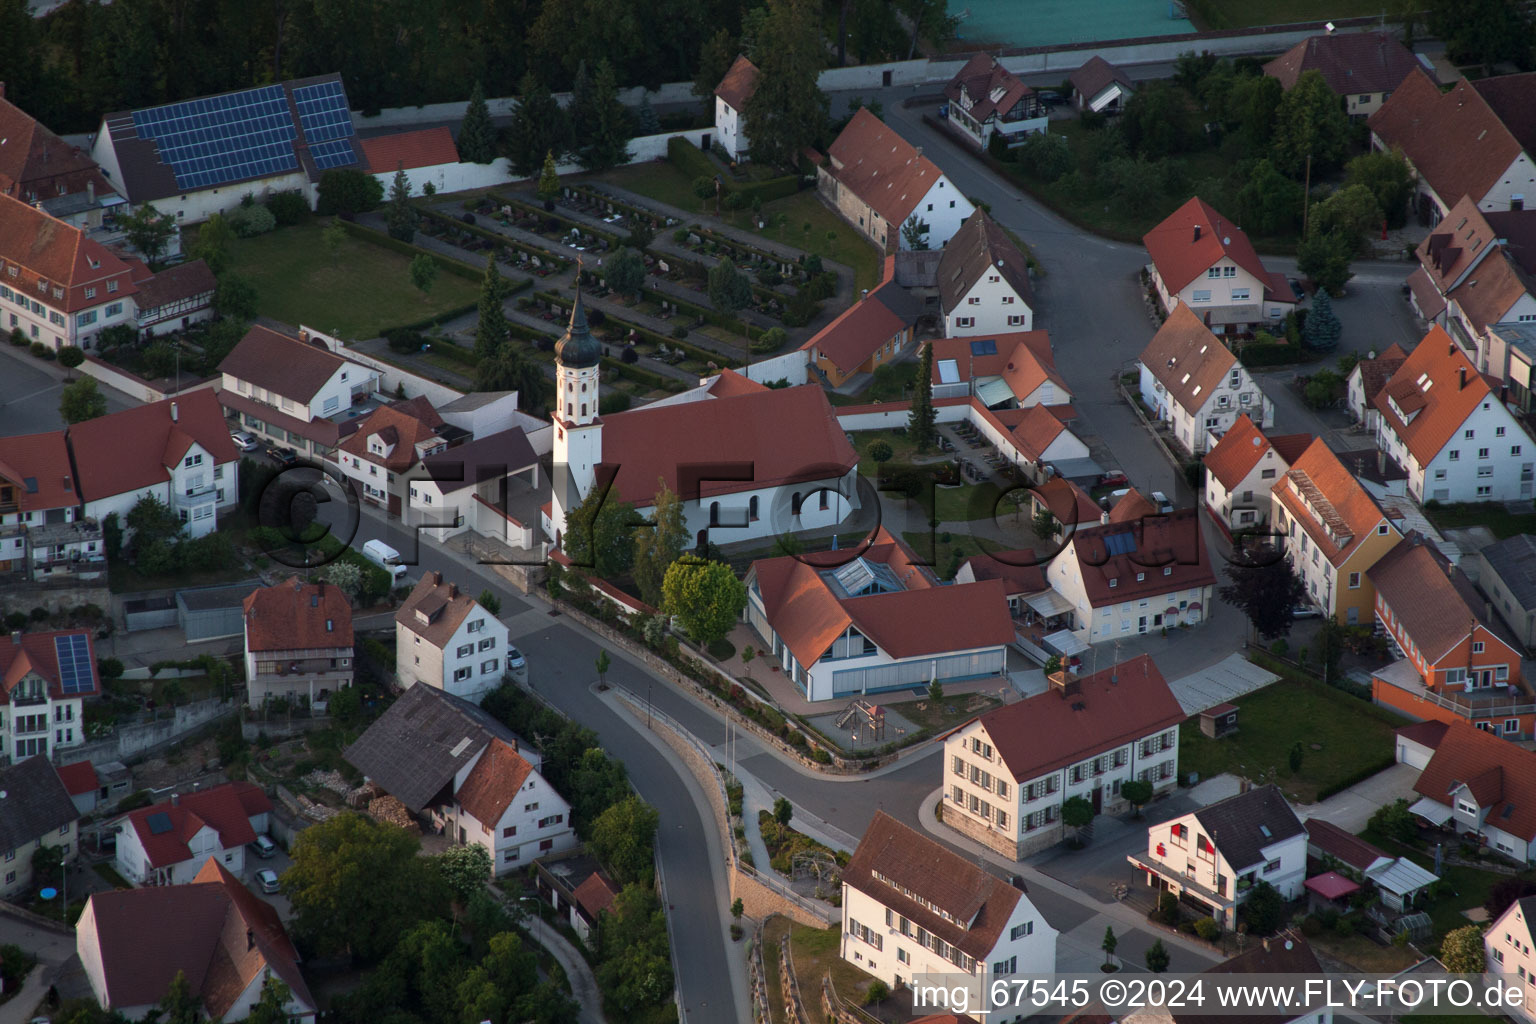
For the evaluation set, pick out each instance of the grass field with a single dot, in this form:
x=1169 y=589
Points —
x=367 y=289
x=663 y=182
x=1351 y=733
x=814 y=953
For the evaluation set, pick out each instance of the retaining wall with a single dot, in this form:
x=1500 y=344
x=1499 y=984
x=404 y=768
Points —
x=26 y=596
x=128 y=741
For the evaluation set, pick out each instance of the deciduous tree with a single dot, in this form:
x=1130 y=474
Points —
x=235 y=297
x=348 y=191
x=1136 y=792
x=1389 y=180
x=625 y=272
x=272 y=1006
x=1109 y=944
x=914 y=231
x=922 y=415
x=465 y=868
x=1264 y=910
x=706 y=597
x=715 y=58
x=213 y=241
x=1324 y=257
x=423 y=273
x=1482 y=31
x=148 y=230
x=1264 y=588
x=622 y=837
x=1269 y=203
x=600 y=533
x=511 y=370
x=1461 y=951
x=659 y=543
x=1310 y=122
x=82 y=400
x=1076 y=814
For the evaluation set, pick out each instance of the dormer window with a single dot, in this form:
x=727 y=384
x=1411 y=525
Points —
x=1113 y=582
x=90 y=293
x=111 y=287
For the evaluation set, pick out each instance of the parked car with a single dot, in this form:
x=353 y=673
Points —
x=1051 y=97
x=267 y=879
x=517 y=665
x=283 y=456
x=1161 y=503
x=1298 y=291
x=1306 y=611
x=1114 y=478
x=245 y=442
x=263 y=847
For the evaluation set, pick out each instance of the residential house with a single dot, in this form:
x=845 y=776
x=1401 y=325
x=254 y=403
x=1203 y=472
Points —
x=985 y=99
x=911 y=907
x=578 y=889
x=168 y=843
x=445 y=639
x=1443 y=423
x=1204 y=261
x=42 y=534
x=844 y=624
x=46 y=678
x=1135 y=577
x=192 y=159
x=1399 y=881
x=1507 y=956
x=1456 y=145
x=1037 y=438
x=36 y=812
x=1022 y=573
x=871 y=333
x=1100 y=87
x=177 y=450
x=1479 y=787
x=1513 y=346
x=387 y=444
x=1475 y=272
x=489 y=485
x=38 y=167
x=1455 y=660
x=467 y=776
x=983 y=282
x=1364 y=68
x=878 y=181
x=1417 y=741
x=1004 y=371
x=294 y=391
x=1332 y=532
x=298 y=643
x=1195 y=383
x=224 y=940
x=1212 y=857
x=731 y=97
x=1008 y=771
x=1241 y=469
x=175 y=299
x=794 y=466
x=1506 y=572
x=1367 y=379
x=1069 y=505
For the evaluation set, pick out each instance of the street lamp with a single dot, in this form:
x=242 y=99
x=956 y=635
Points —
x=538 y=915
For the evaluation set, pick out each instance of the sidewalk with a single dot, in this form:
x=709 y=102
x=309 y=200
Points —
x=577 y=970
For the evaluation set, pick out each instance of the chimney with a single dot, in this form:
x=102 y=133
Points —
x=1197 y=232
x=453 y=591
x=919 y=151
x=1462 y=371
x=175 y=799
x=1064 y=683
x=864 y=294
x=1266 y=945
x=1104 y=518
x=173 y=412
x=16 y=638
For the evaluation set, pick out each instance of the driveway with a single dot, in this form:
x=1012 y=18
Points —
x=1353 y=807
x=279 y=862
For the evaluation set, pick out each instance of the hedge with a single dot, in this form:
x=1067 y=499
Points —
x=440 y=318
x=1357 y=776
x=382 y=240
x=558 y=263
x=1261 y=354
x=701 y=269
x=692 y=161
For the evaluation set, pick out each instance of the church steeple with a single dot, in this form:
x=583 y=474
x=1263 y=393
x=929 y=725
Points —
x=577 y=349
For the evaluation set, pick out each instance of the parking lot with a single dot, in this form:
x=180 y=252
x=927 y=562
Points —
x=29 y=394
x=277 y=863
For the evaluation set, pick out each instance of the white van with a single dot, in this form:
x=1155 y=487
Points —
x=384 y=556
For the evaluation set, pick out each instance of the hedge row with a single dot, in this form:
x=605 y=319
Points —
x=382 y=240
x=539 y=211
x=440 y=318
x=655 y=337
x=1262 y=354
x=1357 y=776
x=692 y=161
x=700 y=269
x=629 y=208
x=559 y=263
x=719 y=239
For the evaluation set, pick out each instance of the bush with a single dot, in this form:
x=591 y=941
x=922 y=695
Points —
x=41 y=351
x=250 y=221
x=616 y=402
x=39 y=614
x=288 y=207
x=1207 y=928
x=109 y=668
x=1259 y=354
x=679 y=332
x=1167 y=910
x=403 y=339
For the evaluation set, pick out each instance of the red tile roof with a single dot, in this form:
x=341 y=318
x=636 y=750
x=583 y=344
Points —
x=739 y=83
x=1187 y=359
x=1022 y=358
x=1337 y=513
x=944 y=879
x=1241 y=448
x=1155 y=545
x=1435 y=605
x=496 y=778
x=1180 y=257
x=1454 y=140
x=1438 y=388
x=1022 y=571
x=1133 y=505
x=35 y=163
x=1112 y=707
x=1501 y=775
x=1352 y=63
x=1374 y=373
x=175 y=284
x=1344 y=846
x=1430 y=302
x=1069 y=503
x=138 y=447
x=980 y=247
x=1513 y=99
x=56 y=263
x=728 y=383
x=226 y=809
x=37 y=465
x=595 y=895
x=36 y=653
x=284 y=366
x=808 y=610
x=978 y=80
x=293 y=615
x=434 y=609
x=1427 y=733
x=401 y=426
x=790 y=435
x=1033 y=429
x=79 y=778
x=1331 y=885
x=425 y=147
x=213 y=930
x=880 y=167
x=859 y=331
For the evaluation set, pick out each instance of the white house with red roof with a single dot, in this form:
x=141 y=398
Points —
x=46 y=678
x=212 y=930
x=731 y=97
x=847 y=623
x=878 y=181
x=41 y=530
x=298 y=643
x=1367 y=379
x=177 y=450
x=387 y=444
x=983 y=281
x=1002 y=371
x=1007 y=772
x=748 y=461
x=83 y=785
x=1480 y=787
x=167 y=843
x=1134 y=577
x=1203 y=260
x=986 y=99
x=1240 y=470
x=427 y=156
x=1445 y=425
x=1195 y=383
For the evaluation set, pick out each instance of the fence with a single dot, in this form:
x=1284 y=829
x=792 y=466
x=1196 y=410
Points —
x=134 y=386
x=758 y=979
x=794 y=1006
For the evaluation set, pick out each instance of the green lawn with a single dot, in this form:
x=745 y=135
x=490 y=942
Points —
x=1217 y=14
x=1502 y=522
x=366 y=290
x=1352 y=733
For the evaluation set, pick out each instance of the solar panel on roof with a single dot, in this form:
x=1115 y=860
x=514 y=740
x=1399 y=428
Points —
x=984 y=348
x=1120 y=543
x=159 y=823
x=74 y=654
